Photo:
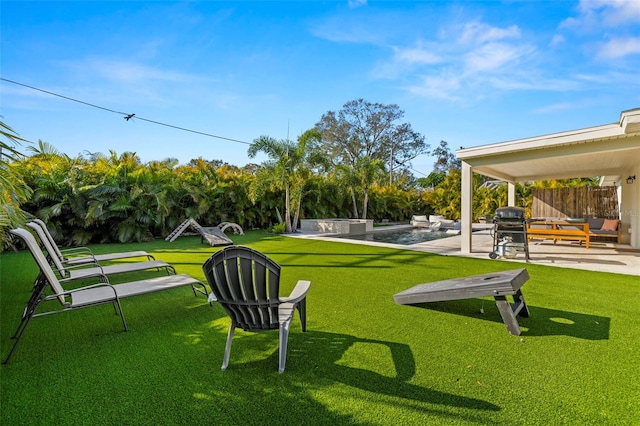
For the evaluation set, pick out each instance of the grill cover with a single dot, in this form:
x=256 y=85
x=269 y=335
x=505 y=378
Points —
x=510 y=213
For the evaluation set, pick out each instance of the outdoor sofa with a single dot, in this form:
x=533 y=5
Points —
x=605 y=228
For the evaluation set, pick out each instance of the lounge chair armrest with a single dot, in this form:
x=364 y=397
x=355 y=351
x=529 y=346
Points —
x=75 y=290
x=81 y=266
x=66 y=271
x=299 y=292
x=77 y=251
x=101 y=277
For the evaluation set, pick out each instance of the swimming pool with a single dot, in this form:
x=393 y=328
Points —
x=406 y=236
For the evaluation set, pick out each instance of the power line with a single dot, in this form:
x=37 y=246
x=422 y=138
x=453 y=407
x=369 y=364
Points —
x=129 y=116
x=126 y=116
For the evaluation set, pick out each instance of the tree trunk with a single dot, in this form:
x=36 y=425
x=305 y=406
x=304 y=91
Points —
x=287 y=211
x=296 y=217
x=355 y=204
x=365 y=205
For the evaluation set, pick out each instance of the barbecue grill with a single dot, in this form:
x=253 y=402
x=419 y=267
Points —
x=509 y=233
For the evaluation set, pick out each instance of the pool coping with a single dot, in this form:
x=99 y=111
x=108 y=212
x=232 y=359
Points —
x=601 y=257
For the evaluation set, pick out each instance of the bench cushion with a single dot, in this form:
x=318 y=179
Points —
x=595 y=223
x=610 y=225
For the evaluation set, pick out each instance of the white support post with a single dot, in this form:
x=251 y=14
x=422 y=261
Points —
x=511 y=194
x=466 y=203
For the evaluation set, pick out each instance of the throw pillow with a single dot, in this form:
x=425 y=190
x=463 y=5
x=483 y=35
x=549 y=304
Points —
x=610 y=225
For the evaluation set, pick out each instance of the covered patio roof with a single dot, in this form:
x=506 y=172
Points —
x=610 y=150
x=596 y=151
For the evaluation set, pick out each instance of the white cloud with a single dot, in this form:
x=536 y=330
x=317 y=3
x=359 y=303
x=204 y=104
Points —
x=610 y=13
x=130 y=72
x=493 y=56
x=557 y=40
x=597 y=14
x=444 y=86
x=122 y=80
x=357 y=3
x=409 y=58
x=609 y=28
x=564 y=106
x=478 y=32
x=462 y=61
x=464 y=72
x=416 y=55
x=618 y=48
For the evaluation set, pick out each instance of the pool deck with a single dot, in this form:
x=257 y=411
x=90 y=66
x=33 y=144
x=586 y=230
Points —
x=600 y=256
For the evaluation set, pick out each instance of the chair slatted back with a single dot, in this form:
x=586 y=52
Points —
x=38 y=256
x=49 y=237
x=246 y=284
x=50 y=250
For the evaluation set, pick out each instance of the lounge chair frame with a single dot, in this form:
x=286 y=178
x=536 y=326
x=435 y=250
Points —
x=87 y=270
x=92 y=295
x=82 y=255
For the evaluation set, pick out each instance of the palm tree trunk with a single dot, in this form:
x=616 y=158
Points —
x=355 y=204
x=365 y=205
x=287 y=211
x=296 y=217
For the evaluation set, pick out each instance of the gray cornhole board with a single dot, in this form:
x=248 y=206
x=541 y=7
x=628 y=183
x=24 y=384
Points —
x=498 y=285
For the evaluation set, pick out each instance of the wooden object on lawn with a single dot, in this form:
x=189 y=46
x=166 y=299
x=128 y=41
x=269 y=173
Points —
x=498 y=285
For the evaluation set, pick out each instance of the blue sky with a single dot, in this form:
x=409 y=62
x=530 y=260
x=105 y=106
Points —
x=469 y=73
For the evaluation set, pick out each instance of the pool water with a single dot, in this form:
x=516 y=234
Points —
x=405 y=237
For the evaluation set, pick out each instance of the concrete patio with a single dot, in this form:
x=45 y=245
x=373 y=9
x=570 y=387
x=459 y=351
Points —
x=601 y=256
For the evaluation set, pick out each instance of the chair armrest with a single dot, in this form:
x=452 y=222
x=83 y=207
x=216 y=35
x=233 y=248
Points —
x=92 y=264
x=76 y=251
x=99 y=276
x=70 y=292
x=299 y=292
x=285 y=312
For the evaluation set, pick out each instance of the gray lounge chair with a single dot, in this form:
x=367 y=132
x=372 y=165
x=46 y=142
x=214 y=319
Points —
x=82 y=255
x=92 y=270
x=420 y=221
x=246 y=283
x=91 y=295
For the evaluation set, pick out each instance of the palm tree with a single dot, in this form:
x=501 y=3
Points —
x=277 y=172
x=13 y=189
x=347 y=177
x=288 y=168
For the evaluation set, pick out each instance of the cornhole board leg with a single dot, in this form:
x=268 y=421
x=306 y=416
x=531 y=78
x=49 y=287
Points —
x=509 y=312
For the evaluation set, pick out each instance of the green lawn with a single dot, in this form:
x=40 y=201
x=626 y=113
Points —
x=364 y=360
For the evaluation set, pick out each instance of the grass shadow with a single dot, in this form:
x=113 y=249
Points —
x=320 y=358
x=541 y=321
x=362 y=375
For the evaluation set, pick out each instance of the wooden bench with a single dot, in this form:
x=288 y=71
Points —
x=559 y=230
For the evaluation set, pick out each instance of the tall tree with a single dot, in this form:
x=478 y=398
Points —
x=368 y=133
x=364 y=129
x=445 y=159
